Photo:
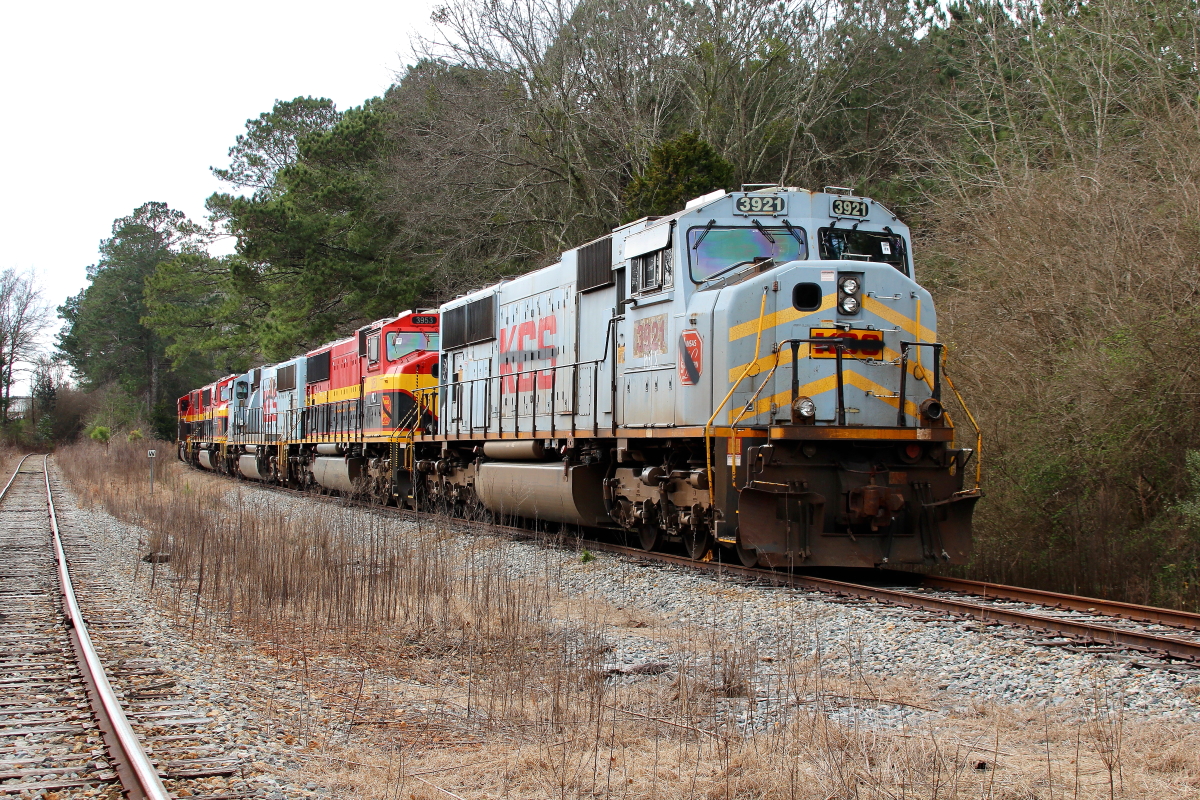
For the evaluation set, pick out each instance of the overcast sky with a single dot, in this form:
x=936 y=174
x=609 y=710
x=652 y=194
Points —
x=111 y=105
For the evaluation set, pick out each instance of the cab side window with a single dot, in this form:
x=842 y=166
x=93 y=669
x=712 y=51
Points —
x=652 y=271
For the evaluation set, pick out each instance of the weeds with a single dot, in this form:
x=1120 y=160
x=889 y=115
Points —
x=439 y=663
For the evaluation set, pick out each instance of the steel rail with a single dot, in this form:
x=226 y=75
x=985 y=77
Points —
x=4 y=491
x=1074 y=602
x=137 y=774
x=1087 y=632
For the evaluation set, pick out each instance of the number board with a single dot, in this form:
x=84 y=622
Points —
x=847 y=207
x=761 y=204
x=424 y=320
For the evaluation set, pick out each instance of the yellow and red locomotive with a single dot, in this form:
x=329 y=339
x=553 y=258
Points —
x=331 y=418
x=759 y=371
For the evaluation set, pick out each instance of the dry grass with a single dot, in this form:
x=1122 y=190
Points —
x=10 y=455
x=440 y=665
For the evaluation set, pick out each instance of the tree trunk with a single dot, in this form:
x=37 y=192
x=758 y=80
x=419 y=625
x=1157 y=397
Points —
x=153 y=381
x=8 y=379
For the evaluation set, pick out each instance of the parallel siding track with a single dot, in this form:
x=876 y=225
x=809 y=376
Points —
x=63 y=727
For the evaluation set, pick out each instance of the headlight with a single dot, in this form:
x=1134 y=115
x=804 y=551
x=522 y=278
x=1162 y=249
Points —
x=849 y=304
x=850 y=285
x=805 y=407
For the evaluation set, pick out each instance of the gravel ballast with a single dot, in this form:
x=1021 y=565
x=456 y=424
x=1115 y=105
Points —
x=956 y=663
x=222 y=677
x=656 y=622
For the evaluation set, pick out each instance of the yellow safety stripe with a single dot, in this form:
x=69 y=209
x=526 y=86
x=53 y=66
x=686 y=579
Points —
x=776 y=318
x=899 y=320
x=820 y=386
x=334 y=395
x=394 y=382
x=766 y=362
x=345 y=393
x=789 y=314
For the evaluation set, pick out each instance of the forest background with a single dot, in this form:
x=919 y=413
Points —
x=1046 y=156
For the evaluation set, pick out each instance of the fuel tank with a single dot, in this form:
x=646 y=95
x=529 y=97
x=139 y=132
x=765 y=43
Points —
x=543 y=491
x=248 y=466
x=343 y=474
x=206 y=459
x=527 y=450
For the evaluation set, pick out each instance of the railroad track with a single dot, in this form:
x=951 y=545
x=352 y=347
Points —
x=1163 y=633
x=1098 y=625
x=64 y=727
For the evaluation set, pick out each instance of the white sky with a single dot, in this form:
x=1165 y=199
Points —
x=111 y=105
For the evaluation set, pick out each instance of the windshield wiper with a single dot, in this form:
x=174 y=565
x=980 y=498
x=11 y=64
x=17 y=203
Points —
x=793 y=232
x=763 y=231
x=704 y=233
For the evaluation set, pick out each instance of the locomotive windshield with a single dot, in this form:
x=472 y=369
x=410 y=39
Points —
x=401 y=343
x=712 y=250
x=844 y=243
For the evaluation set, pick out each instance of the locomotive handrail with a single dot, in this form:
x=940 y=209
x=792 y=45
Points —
x=339 y=421
x=762 y=312
x=456 y=387
x=751 y=402
x=843 y=343
x=454 y=391
x=937 y=374
x=971 y=417
x=839 y=343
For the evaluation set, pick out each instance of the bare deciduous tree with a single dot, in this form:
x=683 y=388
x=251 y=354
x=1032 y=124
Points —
x=24 y=315
x=524 y=121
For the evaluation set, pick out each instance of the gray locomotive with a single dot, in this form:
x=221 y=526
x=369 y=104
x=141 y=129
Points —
x=759 y=371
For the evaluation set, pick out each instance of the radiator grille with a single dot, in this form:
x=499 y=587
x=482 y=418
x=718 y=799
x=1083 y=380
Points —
x=594 y=265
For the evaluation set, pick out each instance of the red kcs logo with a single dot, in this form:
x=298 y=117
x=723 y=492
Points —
x=691 y=357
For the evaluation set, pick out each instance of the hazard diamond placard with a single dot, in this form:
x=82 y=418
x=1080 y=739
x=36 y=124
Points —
x=691 y=357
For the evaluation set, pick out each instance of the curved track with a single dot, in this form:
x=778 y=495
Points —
x=60 y=714
x=63 y=727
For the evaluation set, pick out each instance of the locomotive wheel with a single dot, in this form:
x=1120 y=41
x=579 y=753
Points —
x=648 y=537
x=697 y=544
x=748 y=556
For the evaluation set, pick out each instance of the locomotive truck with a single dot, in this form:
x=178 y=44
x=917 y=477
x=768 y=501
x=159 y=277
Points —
x=759 y=371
